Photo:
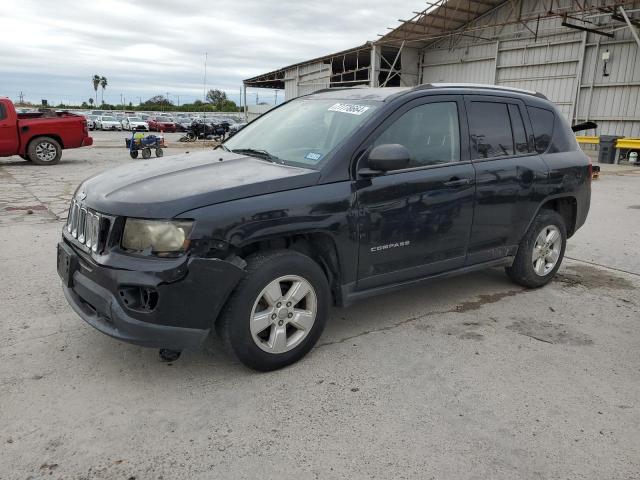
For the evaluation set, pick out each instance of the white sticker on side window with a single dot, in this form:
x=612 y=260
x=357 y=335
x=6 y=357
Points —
x=349 y=108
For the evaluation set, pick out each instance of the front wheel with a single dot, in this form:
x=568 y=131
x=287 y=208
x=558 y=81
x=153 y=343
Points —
x=541 y=251
x=146 y=153
x=159 y=152
x=44 y=151
x=277 y=312
x=133 y=154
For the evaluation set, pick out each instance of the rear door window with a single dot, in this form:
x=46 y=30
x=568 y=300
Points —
x=542 y=123
x=3 y=112
x=490 y=130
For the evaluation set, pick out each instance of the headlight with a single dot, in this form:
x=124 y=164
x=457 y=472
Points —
x=160 y=237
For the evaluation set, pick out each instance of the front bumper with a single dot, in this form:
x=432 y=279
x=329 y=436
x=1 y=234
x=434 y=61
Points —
x=190 y=293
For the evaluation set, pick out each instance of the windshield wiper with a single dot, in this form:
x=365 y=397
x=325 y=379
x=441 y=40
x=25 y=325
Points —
x=222 y=147
x=261 y=154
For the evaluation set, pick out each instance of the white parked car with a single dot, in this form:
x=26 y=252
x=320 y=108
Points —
x=108 y=123
x=135 y=123
x=91 y=124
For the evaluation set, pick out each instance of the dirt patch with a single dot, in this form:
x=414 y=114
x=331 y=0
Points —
x=634 y=207
x=592 y=277
x=471 y=336
x=28 y=207
x=484 y=300
x=547 y=332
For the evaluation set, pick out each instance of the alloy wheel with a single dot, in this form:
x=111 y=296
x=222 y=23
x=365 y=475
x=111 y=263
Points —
x=46 y=152
x=546 y=250
x=283 y=314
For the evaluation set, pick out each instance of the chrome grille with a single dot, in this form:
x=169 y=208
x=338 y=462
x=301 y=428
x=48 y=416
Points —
x=84 y=226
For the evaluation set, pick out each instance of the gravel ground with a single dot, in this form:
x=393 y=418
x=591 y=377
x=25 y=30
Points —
x=466 y=378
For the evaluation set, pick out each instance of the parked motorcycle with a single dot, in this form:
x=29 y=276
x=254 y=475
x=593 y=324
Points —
x=205 y=131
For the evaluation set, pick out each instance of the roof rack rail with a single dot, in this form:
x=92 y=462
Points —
x=480 y=86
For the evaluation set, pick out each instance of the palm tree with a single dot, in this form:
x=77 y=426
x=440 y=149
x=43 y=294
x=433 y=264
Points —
x=91 y=102
x=103 y=84
x=96 y=84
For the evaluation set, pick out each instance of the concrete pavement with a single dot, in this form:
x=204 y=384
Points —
x=467 y=378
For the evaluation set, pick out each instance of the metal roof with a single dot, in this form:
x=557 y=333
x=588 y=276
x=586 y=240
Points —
x=440 y=19
x=275 y=78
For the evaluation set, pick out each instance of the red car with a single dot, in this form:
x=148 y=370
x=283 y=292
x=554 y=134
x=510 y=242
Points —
x=40 y=137
x=161 y=124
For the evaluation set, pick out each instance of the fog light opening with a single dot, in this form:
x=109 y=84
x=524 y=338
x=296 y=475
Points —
x=139 y=298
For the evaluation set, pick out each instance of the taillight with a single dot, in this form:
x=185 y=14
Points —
x=84 y=127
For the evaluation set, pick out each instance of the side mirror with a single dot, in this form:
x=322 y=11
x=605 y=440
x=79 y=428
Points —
x=390 y=156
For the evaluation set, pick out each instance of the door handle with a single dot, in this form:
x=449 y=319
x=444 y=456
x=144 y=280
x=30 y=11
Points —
x=457 y=182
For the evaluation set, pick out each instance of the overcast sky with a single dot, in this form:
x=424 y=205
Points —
x=52 y=48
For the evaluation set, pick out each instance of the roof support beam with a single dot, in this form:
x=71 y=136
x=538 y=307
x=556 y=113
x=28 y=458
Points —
x=584 y=29
x=633 y=29
x=393 y=66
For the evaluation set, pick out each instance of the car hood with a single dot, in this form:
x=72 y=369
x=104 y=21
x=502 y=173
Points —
x=166 y=187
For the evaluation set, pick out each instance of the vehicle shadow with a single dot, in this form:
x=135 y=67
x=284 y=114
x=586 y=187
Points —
x=425 y=302
x=388 y=311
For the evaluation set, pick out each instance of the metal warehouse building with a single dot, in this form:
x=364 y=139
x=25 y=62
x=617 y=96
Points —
x=583 y=55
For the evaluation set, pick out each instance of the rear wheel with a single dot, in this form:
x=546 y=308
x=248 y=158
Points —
x=159 y=152
x=146 y=153
x=277 y=312
x=541 y=251
x=44 y=151
x=133 y=154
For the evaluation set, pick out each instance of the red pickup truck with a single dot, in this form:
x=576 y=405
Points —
x=39 y=137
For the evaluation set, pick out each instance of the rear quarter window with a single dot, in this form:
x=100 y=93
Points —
x=3 y=112
x=542 y=121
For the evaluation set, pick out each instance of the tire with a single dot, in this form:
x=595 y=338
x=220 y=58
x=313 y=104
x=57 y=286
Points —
x=159 y=152
x=261 y=350
x=146 y=153
x=522 y=271
x=133 y=154
x=44 y=151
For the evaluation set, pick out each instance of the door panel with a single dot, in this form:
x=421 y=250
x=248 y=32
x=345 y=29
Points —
x=506 y=185
x=413 y=224
x=416 y=222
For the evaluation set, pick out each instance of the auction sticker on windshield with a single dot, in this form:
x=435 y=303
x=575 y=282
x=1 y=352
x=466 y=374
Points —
x=349 y=108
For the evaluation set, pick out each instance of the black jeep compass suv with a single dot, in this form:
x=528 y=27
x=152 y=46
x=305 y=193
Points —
x=326 y=199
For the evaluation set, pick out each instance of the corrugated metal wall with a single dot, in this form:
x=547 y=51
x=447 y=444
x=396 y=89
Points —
x=306 y=79
x=563 y=64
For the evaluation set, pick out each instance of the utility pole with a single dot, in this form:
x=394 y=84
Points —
x=275 y=102
x=178 y=100
x=204 y=84
x=21 y=98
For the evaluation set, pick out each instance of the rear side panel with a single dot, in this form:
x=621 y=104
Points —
x=569 y=167
x=70 y=130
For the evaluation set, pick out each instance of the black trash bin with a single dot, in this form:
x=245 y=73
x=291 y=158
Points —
x=607 y=152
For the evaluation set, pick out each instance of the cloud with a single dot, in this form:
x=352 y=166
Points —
x=53 y=48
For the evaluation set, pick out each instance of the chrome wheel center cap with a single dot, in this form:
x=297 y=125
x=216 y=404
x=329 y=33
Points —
x=282 y=313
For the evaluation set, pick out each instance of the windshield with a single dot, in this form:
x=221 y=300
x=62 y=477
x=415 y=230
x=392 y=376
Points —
x=135 y=119
x=162 y=119
x=108 y=119
x=304 y=131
